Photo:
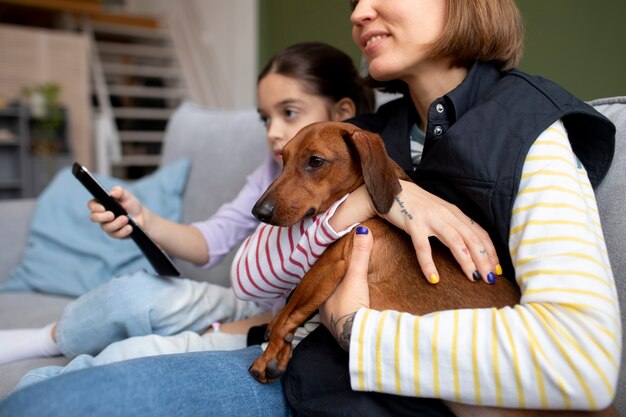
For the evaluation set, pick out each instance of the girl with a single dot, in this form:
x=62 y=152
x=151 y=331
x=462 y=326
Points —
x=301 y=84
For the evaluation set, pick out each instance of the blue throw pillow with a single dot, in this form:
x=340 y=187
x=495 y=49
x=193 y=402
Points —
x=67 y=254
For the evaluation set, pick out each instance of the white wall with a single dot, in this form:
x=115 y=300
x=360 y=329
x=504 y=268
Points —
x=227 y=33
x=232 y=32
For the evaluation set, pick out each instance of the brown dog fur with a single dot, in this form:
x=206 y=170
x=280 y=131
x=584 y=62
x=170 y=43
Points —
x=350 y=157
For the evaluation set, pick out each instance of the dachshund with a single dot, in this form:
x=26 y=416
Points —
x=321 y=164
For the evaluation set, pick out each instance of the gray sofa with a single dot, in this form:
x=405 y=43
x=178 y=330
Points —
x=224 y=146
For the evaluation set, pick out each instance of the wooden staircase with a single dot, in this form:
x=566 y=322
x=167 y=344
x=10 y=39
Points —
x=142 y=84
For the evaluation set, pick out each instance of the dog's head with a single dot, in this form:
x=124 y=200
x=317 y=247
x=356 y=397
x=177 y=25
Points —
x=321 y=164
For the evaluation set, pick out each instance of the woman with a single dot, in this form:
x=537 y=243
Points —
x=488 y=137
x=499 y=145
x=494 y=145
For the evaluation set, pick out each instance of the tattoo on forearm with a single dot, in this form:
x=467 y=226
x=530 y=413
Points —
x=403 y=210
x=343 y=334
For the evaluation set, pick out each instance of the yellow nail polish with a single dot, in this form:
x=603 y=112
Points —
x=433 y=279
x=498 y=270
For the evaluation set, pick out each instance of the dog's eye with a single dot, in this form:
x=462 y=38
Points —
x=315 y=162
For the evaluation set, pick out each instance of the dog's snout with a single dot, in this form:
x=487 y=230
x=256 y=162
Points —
x=264 y=211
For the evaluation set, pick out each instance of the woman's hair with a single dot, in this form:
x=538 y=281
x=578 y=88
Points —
x=483 y=30
x=323 y=71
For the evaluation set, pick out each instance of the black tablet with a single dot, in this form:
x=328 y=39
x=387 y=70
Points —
x=159 y=260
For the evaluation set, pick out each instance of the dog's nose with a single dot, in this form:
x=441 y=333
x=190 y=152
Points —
x=263 y=210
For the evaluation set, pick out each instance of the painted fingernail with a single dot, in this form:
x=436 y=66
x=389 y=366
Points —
x=433 y=278
x=498 y=270
x=476 y=276
x=361 y=230
x=491 y=278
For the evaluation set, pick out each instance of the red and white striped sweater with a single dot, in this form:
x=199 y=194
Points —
x=273 y=260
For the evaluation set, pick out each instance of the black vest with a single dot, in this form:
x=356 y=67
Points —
x=475 y=163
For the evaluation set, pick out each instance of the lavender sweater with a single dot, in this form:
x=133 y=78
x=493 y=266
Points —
x=234 y=221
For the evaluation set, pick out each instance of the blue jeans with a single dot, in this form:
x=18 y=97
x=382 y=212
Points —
x=141 y=314
x=142 y=304
x=191 y=384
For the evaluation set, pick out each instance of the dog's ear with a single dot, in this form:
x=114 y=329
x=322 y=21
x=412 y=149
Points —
x=378 y=169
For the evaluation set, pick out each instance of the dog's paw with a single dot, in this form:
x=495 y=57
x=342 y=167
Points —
x=269 y=373
x=273 y=370
x=256 y=374
x=260 y=375
x=268 y=367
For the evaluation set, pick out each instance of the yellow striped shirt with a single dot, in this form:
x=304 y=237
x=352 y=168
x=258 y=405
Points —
x=559 y=348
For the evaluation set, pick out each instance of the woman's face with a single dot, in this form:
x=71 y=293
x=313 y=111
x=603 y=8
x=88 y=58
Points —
x=285 y=108
x=395 y=35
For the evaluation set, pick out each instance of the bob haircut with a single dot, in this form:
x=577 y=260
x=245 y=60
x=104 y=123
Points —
x=483 y=30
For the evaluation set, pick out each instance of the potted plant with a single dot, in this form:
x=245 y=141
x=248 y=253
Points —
x=47 y=118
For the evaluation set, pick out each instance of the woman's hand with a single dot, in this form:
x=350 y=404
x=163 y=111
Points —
x=118 y=227
x=422 y=214
x=352 y=293
x=357 y=208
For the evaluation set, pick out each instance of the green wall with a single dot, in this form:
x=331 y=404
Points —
x=580 y=44
x=284 y=22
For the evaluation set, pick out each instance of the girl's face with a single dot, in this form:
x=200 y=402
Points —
x=395 y=35
x=285 y=108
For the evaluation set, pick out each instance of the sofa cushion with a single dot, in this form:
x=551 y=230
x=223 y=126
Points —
x=67 y=254
x=224 y=146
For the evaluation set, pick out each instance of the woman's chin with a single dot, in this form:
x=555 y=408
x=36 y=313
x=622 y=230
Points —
x=379 y=73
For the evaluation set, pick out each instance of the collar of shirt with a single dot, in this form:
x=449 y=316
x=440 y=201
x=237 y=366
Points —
x=395 y=120
x=447 y=109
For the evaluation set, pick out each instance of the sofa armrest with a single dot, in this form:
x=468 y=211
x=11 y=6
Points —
x=15 y=216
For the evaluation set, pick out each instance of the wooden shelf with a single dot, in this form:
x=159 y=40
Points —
x=22 y=173
x=13 y=152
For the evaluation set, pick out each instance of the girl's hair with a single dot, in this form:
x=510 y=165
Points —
x=323 y=71
x=484 y=30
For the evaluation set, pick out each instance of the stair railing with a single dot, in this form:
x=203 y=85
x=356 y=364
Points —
x=107 y=139
x=206 y=83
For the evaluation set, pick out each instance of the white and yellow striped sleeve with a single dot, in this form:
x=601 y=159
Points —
x=559 y=348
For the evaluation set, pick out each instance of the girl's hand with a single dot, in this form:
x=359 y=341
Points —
x=422 y=214
x=243 y=326
x=118 y=227
x=352 y=293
